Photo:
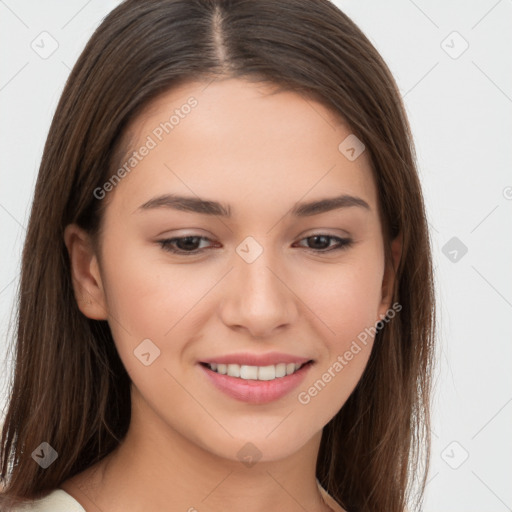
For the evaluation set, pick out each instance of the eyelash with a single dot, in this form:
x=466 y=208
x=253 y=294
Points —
x=344 y=243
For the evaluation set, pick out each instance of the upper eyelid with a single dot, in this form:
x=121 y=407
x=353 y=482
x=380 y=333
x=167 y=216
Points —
x=307 y=234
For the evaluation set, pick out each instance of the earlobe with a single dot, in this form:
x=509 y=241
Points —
x=85 y=274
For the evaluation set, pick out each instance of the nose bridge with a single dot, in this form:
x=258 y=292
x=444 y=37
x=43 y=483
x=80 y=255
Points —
x=257 y=298
x=254 y=265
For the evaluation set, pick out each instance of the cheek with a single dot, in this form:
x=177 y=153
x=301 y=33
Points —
x=345 y=302
x=151 y=302
x=148 y=297
x=139 y=303
x=344 y=296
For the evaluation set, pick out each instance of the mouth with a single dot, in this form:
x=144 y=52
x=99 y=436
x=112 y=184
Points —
x=255 y=384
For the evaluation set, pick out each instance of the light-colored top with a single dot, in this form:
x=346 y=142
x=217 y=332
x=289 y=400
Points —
x=57 y=501
x=60 y=501
x=329 y=500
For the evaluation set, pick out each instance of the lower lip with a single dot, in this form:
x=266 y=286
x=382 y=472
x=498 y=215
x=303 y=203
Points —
x=256 y=391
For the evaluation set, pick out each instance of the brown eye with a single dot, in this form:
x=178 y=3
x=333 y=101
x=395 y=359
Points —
x=322 y=243
x=183 y=245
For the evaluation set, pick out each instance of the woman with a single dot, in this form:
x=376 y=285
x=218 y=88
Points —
x=226 y=293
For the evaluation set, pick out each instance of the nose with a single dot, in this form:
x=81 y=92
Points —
x=258 y=297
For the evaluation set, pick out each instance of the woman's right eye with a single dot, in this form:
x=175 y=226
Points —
x=189 y=242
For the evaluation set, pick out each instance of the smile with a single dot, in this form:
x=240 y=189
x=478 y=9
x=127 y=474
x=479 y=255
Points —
x=255 y=384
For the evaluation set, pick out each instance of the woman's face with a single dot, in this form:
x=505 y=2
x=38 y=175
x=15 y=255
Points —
x=264 y=279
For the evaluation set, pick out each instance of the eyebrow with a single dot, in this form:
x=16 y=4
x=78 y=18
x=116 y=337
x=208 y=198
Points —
x=206 y=207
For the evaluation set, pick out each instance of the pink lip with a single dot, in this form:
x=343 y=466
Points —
x=257 y=359
x=256 y=391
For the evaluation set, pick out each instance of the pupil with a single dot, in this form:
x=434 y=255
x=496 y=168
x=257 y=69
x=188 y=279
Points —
x=316 y=237
x=187 y=241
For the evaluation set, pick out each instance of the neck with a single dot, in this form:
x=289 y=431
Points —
x=156 y=468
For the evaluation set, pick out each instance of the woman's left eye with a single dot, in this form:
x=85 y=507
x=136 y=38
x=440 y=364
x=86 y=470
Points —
x=188 y=242
x=188 y=245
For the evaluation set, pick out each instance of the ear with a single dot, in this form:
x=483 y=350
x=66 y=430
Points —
x=85 y=273
x=389 y=275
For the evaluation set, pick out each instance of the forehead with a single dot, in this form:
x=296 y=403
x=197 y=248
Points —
x=229 y=137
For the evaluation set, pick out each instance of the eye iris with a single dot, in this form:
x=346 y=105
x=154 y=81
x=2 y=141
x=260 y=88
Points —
x=186 y=243
x=322 y=237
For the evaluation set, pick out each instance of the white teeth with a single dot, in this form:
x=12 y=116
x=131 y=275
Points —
x=246 y=372
x=233 y=370
x=280 y=370
x=249 y=372
x=267 y=372
x=290 y=368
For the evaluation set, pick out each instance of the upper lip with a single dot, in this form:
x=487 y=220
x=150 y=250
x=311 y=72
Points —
x=271 y=358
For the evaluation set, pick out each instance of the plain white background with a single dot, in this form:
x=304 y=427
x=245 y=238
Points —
x=452 y=62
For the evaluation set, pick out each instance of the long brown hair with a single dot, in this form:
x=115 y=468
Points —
x=70 y=388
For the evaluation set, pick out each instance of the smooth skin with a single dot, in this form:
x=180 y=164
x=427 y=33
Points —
x=260 y=153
